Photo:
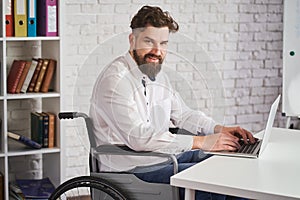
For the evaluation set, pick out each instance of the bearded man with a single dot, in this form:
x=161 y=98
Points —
x=133 y=103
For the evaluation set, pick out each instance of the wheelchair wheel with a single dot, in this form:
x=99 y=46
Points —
x=87 y=188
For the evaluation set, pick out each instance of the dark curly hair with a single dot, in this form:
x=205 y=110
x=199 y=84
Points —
x=155 y=17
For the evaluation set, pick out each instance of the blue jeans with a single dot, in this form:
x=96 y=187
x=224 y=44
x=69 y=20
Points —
x=161 y=173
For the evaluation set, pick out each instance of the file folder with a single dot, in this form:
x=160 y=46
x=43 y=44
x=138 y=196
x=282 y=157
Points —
x=47 y=23
x=20 y=15
x=9 y=18
x=31 y=18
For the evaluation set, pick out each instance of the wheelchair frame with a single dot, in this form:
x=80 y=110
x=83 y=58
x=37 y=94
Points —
x=117 y=185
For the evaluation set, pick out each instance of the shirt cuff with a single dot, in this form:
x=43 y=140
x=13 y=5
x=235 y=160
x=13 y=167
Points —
x=212 y=128
x=185 y=142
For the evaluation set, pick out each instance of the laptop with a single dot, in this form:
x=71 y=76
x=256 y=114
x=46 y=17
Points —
x=254 y=150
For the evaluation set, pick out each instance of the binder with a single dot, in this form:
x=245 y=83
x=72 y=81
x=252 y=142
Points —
x=9 y=18
x=31 y=18
x=47 y=23
x=20 y=15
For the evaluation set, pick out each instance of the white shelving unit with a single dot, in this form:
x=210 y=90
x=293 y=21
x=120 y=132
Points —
x=16 y=160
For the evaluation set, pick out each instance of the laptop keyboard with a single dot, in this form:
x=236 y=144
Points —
x=247 y=148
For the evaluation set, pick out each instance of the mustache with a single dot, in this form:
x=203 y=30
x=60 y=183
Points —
x=153 y=56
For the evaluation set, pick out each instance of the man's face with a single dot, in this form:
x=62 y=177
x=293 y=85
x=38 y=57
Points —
x=149 y=49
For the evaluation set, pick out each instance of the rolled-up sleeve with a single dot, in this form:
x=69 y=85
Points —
x=194 y=121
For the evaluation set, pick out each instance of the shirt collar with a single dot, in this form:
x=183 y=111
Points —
x=133 y=67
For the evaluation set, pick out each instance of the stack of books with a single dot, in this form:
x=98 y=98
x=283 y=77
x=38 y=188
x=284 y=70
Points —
x=30 y=76
x=31 y=189
x=42 y=131
x=43 y=128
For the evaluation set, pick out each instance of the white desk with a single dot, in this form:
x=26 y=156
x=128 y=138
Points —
x=275 y=175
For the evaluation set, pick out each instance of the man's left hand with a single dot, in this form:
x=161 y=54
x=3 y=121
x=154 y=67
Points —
x=237 y=131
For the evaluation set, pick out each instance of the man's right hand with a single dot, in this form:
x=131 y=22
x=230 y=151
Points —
x=216 y=142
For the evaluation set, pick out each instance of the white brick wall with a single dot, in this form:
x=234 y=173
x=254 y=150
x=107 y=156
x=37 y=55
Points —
x=243 y=38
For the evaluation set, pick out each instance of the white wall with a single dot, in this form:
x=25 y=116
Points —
x=242 y=38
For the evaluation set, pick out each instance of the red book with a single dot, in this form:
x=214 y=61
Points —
x=14 y=75
x=23 y=76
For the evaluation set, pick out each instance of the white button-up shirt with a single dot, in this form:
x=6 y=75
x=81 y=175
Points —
x=128 y=108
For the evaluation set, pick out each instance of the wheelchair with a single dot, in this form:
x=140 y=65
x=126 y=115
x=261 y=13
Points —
x=113 y=185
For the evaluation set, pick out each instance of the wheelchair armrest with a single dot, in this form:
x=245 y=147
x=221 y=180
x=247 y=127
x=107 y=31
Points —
x=180 y=131
x=109 y=149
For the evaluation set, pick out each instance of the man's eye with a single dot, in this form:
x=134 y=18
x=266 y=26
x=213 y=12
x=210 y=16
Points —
x=148 y=41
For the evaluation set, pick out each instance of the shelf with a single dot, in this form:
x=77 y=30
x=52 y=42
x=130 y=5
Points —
x=32 y=95
x=19 y=151
x=16 y=109
x=31 y=38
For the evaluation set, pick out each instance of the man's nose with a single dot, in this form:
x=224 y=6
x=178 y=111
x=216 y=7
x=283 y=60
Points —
x=156 y=49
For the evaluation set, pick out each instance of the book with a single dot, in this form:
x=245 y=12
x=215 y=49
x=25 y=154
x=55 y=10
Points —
x=29 y=76
x=41 y=75
x=35 y=74
x=15 y=196
x=36 y=188
x=45 y=130
x=23 y=76
x=24 y=140
x=14 y=188
x=37 y=126
x=14 y=75
x=48 y=75
x=15 y=192
x=51 y=129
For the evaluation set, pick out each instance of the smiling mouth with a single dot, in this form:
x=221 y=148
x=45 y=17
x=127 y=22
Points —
x=152 y=58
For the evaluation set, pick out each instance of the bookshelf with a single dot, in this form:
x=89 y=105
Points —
x=17 y=160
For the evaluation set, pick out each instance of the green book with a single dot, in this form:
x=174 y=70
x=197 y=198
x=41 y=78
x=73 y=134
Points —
x=37 y=126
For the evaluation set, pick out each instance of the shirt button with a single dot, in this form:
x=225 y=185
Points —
x=148 y=120
x=147 y=103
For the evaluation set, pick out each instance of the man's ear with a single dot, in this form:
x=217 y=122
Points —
x=131 y=41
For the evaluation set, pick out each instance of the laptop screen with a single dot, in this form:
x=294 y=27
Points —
x=269 y=125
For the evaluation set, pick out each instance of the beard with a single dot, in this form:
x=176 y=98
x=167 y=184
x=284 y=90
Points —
x=151 y=69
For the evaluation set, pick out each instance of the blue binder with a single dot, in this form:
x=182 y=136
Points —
x=31 y=21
